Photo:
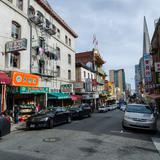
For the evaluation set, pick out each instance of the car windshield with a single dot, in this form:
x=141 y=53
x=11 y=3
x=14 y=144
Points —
x=139 y=109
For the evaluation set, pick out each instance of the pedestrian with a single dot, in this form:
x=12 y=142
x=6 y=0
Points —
x=16 y=114
x=38 y=108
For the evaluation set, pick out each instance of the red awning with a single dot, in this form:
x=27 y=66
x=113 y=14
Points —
x=76 y=97
x=154 y=96
x=4 y=79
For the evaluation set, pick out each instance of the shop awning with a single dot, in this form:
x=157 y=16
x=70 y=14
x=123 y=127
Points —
x=76 y=97
x=4 y=79
x=58 y=95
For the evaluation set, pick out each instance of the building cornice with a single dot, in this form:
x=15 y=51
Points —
x=56 y=17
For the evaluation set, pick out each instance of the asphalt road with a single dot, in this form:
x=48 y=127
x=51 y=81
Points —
x=100 y=137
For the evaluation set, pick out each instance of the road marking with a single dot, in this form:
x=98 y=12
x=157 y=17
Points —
x=121 y=131
x=156 y=142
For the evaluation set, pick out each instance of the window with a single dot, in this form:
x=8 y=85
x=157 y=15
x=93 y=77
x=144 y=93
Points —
x=58 y=71
x=58 y=53
x=91 y=76
x=20 y=4
x=66 y=40
x=84 y=74
x=88 y=75
x=69 y=59
x=69 y=74
x=70 y=42
x=58 y=33
x=15 y=60
x=16 y=30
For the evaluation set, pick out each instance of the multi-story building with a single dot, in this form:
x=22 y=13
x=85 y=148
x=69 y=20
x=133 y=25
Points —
x=118 y=78
x=37 y=50
x=94 y=61
x=155 y=50
x=137 y=79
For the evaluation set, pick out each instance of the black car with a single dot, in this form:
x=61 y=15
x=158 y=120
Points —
x=5 y=125
x=80 y=110
x=49 y=118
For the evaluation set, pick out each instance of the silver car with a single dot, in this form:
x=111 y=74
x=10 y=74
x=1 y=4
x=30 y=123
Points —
x=139 y=116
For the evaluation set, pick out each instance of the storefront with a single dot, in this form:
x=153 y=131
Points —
x=4 y=82
x=26 y=95
x=58 y=99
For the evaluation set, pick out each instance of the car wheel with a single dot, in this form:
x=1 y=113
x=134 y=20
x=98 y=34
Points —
x=51 y=124
x=69 y=119
x=123 y=126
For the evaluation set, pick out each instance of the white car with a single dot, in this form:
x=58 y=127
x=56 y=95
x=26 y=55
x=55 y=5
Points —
x=139 y=116
x=102 y=109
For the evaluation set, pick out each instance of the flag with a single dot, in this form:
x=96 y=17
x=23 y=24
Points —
x=94 y=38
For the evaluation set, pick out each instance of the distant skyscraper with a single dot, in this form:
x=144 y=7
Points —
x=118 y=78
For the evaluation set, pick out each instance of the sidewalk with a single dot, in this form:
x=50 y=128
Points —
x=18 y=126
x=156 y=138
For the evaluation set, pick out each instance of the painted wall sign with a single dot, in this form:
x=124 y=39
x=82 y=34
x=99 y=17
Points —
x=24 y=79
x=17 y=45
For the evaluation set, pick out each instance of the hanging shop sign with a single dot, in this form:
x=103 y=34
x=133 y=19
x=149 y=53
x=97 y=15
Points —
x=78 y=85
x=24 y=79
x=88 y=85
x=157 y=67
x=67 y=88
x=147 y=67
x=17 y=45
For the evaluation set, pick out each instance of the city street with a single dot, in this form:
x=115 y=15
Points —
x=100 y=137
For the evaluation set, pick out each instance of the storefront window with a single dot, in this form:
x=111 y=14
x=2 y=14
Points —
x=16 y=30
x=15 y=60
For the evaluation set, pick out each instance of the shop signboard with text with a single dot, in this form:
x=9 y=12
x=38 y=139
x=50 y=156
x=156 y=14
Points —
x=34 y=90
x=17 y=45
x=24 y=79
x=67 y=88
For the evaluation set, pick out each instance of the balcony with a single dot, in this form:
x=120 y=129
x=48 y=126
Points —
x=44 y=72
x=100 y=71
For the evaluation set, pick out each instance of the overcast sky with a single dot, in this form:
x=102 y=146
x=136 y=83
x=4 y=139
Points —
x=118 y=25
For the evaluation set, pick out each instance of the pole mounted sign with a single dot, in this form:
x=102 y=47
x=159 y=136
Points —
x=17 y=45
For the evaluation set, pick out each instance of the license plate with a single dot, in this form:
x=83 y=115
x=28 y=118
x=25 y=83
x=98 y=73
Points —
x=32 y=125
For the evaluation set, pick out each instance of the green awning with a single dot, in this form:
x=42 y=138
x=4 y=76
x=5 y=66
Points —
x=58 y=95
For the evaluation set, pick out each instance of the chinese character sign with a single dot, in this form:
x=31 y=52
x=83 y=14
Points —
x=147 y=67
x=157 y=67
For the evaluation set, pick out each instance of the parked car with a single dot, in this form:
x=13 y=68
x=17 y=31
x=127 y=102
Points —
x=123 y=107
x=49 y=118
x=80 y=110
x=109 y=108
x=5 y=125
x=102 y=109
x=139 y=116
